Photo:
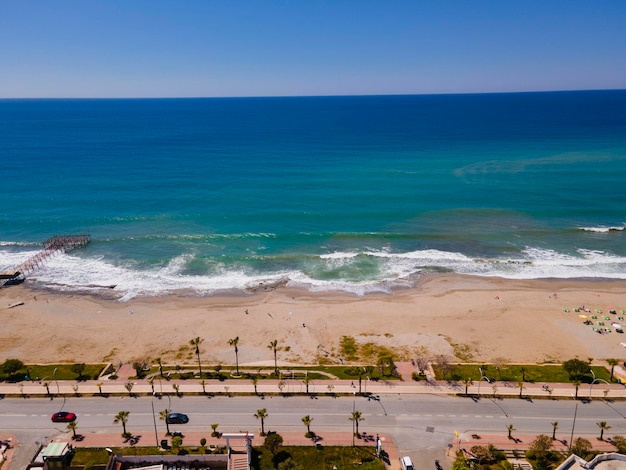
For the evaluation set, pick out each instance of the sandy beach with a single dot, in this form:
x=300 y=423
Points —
x=465 y=318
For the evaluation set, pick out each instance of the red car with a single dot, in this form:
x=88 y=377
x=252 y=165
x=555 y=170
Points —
x=63 y=417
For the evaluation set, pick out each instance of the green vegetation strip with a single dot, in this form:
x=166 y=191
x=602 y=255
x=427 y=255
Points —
x=309 y=458
x=549 y=373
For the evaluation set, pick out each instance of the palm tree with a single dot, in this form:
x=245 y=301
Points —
x=555 y=426
x=307 y=381
x=196 y=342
x=158 y=361
x=360 y=371
x=255 y=381
x=122 y=417
x=355 y=418
x=510 y=428
x=261 y=414
x=603 y=427
x=307 y=420
x=72 y=427
x=129 y=386
x=47 y=385
x=612 y=363
x=521 y=386
x=234 y=342
x=576 y=384
x=163 y=415
x=274 y=346
x=467 y=381
x=214 y=432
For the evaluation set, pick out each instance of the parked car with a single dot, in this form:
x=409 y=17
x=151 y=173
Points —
x=63 y=417
x=177 y=418
x=406 y=463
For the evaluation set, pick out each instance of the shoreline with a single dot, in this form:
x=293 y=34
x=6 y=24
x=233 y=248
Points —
x=463 y=317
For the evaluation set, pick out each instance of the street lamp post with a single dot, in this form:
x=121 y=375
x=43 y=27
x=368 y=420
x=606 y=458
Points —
x=353 y=420
x=156 y=434
x=594 y=381
x=571 y=437
x=482 y=377
x=55 y=380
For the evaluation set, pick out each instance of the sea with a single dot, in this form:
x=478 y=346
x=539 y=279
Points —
x=358 y=194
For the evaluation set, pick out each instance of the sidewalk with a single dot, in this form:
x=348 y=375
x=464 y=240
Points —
x=315 y=387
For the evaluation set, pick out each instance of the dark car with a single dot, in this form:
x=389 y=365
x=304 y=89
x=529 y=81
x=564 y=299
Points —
x=63 y=417
x=177 y=418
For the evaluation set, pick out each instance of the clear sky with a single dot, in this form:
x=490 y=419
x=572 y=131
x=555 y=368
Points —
x=158 y=48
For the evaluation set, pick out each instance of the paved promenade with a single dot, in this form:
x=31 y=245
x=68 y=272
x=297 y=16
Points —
x=297 y=386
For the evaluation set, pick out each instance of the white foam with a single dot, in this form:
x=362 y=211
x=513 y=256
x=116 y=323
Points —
x=339 y=255
x=385 y=271
x=604 y=229
x=10 y=259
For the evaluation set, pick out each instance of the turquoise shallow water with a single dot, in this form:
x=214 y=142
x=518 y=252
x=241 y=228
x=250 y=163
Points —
x=350 y=193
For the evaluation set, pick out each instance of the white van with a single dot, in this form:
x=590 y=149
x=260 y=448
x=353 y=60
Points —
x=406 y=463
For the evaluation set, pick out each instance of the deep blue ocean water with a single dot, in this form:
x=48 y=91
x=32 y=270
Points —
x=348 y=193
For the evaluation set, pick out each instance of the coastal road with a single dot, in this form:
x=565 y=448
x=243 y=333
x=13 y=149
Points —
x=415 y=422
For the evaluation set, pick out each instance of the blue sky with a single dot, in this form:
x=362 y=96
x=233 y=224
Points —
x=157 y=48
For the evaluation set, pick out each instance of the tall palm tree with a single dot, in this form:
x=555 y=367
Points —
x=196 y=342
x=576 y=385
x=510 y=428
x=603 y=427
x=234 y=342
x=72 y=427
x=163 y=415
x=521 y=386
x=355 y=418
x=612 y=363
x=122 y=417
x=255 y=381
x=361 y=371
x=467 y=381
x=307 y=420
x=274 y=346
x=555 y=426
x=261 y=414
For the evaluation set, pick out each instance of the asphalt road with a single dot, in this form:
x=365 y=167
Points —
x=417 y=423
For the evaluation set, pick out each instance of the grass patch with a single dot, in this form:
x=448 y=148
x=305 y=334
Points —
x=321 y=458
x=63 y=372
x=307 y=457
x=532 y=373
x=349 y=348
x=462 y=351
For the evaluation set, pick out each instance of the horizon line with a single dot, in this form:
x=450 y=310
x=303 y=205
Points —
x=173 y=97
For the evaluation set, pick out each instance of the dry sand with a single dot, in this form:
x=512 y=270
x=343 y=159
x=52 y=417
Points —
x=466 y=318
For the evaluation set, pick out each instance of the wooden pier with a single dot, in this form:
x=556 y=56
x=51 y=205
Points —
x=53 y=246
